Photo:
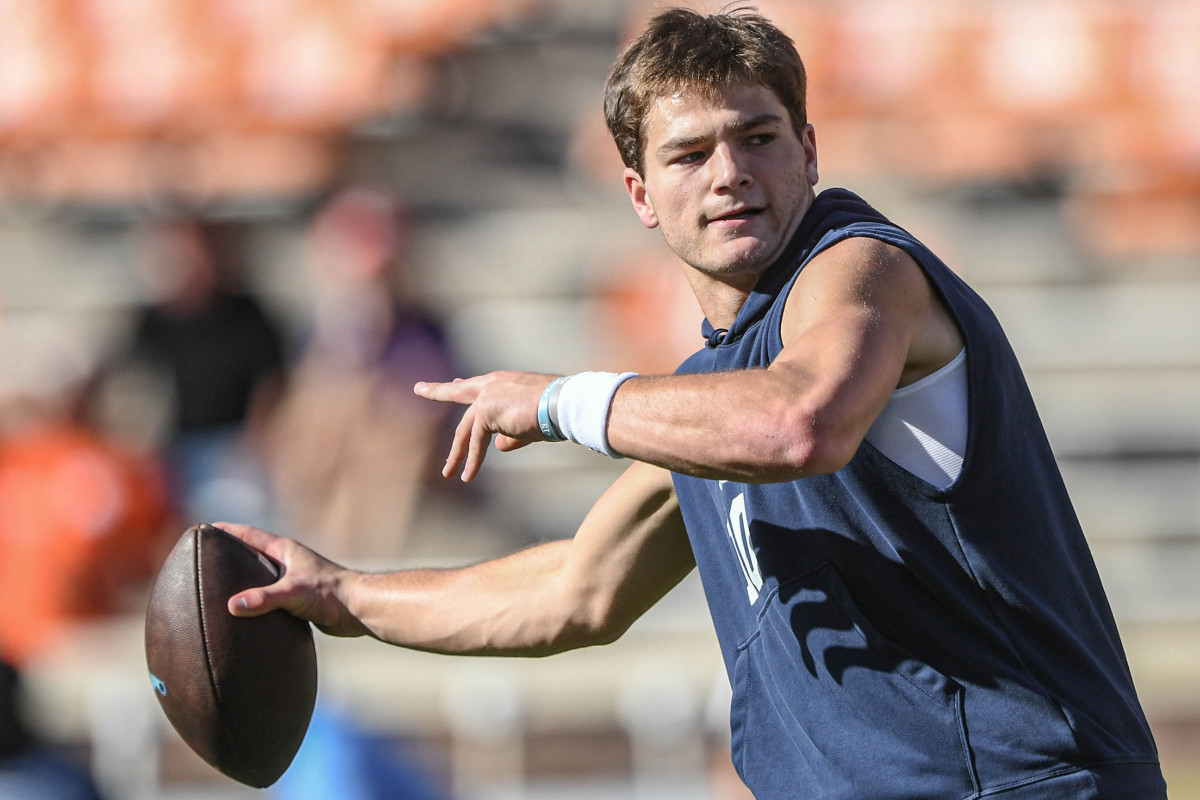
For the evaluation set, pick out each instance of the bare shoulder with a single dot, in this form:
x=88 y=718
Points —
x=887 y=288
x=869 y=270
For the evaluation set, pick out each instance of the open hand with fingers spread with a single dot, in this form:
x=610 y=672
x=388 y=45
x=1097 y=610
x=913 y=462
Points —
x=500 y=404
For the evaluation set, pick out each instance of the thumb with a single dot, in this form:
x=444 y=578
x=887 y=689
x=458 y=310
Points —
x=257 y=601
x=506 y=444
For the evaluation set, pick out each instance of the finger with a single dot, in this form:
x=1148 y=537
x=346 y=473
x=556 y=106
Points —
x=257 y=538
x=458 y=448
x=463 y=391
x=481 y=437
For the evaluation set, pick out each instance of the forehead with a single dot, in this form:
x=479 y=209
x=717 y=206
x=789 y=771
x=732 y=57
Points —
x=691 y=112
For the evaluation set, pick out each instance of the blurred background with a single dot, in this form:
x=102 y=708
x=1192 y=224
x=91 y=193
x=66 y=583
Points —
x=233 y=234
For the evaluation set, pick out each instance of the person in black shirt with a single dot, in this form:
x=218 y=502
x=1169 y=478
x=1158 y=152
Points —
x=221 y=356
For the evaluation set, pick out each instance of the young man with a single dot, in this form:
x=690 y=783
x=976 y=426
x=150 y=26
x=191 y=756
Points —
x=905 y=602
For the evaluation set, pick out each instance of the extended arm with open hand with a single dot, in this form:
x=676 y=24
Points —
x=860 y=320
x=630 y=550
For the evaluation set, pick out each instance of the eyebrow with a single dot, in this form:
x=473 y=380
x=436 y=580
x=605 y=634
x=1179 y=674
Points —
x=740 y=126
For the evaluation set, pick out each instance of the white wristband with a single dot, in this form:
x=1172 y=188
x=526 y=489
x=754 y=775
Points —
x=583 y=404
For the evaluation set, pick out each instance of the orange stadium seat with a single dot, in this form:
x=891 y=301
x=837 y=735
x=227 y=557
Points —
x=111 y=101
x=40 y=70
x=306 y=64
x=1144 y=156
x=434 y=27
x=909 y=73
x=152 y=67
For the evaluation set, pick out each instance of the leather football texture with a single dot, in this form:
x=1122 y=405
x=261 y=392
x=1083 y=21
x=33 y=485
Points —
x=239 y=691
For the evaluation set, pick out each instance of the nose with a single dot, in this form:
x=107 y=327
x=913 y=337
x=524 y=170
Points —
x=729 y=169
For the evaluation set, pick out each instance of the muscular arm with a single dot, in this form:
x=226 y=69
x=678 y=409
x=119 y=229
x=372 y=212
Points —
x=861 y=319
x=630 y=551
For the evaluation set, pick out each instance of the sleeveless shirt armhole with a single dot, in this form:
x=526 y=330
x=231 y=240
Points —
x=923 y=428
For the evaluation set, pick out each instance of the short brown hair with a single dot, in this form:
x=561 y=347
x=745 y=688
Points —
x=682 y=49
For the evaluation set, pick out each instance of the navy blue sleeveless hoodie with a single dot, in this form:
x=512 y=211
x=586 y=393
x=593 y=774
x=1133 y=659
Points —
x=887 y=639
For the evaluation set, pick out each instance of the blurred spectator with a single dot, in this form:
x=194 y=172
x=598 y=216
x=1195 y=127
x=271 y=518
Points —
x=81 y=528
x=222 y=357
x=82 y=515
x=28 y=769
x=353 y=448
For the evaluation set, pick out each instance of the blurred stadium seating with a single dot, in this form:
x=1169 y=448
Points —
x=1049 y=149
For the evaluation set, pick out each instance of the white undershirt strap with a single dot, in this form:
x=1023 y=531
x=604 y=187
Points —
x=923 y=427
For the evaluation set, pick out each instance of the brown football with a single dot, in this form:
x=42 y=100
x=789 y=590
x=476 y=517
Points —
x=240 y=691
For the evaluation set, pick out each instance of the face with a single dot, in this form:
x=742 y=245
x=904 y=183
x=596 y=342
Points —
x=727 y=180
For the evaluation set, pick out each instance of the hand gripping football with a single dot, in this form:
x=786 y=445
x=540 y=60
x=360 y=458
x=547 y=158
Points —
x=240 y=691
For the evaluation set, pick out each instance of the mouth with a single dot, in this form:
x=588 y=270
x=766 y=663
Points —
x=734 y=217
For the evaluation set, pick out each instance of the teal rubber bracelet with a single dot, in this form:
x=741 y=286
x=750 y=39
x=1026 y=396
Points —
x=546 y=411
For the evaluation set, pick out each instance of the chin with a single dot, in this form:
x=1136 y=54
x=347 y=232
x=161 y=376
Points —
x=742 y=256
x=746 y=260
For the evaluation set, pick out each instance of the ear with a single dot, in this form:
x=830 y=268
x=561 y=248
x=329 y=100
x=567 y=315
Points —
x=640 y=199
x=808 y=138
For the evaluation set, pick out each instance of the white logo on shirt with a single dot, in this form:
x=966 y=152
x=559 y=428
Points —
x=738 y=528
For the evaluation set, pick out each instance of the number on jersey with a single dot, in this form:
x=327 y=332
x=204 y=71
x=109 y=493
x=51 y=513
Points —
x=738 y=528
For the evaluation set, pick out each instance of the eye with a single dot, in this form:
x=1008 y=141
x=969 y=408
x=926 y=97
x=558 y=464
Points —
x=694 y=157
x=760 y=139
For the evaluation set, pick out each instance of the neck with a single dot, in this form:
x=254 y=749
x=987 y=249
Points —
x=720 y=297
